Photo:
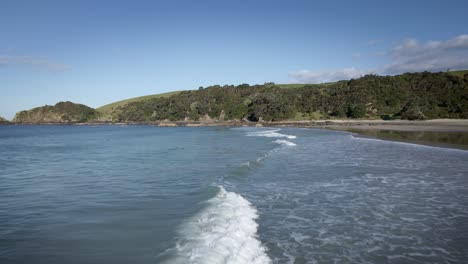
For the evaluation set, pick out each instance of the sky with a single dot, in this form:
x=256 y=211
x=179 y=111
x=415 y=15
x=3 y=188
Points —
x=98 y=52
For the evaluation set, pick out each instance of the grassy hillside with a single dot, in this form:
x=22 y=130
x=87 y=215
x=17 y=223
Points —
x=289 y=85
x=407 y=96
x=109 y=108
x=302 y=85
x=459 y=73
x=112 y=109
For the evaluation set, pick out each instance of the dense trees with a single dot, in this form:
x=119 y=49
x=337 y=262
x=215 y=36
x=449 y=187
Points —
x=408 y=96
x=62 y=112
x=412 y=96
x=3 y=121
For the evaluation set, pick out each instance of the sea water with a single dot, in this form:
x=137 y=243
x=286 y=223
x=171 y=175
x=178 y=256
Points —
x=144 y=194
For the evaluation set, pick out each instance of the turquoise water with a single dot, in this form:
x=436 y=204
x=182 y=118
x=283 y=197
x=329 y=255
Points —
x=143 y=194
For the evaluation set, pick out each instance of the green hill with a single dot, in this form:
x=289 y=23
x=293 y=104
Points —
x=302 y=85
x=113 y=111
x=458 y=73
x=3 y=121
x=62 y=112
x=407 y=96
x=107 y=110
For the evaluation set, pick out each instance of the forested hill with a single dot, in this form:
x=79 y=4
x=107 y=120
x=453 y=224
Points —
x=3 y=121
x=411 y=96
x=62 y=112
x=408 y=96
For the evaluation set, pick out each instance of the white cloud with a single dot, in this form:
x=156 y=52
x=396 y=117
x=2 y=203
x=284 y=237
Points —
x=409 y=56
x=412 y=56
x=325 y=76
x=37 y=62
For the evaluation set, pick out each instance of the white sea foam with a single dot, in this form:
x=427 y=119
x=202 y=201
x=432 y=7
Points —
x=245 y=164
x=224 y=232
x=284 y=142
x=269 y=133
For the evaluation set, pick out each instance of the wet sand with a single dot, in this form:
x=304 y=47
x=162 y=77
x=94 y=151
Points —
x=435 y=125
x=441 y=133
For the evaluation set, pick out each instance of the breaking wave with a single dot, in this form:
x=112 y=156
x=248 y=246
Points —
x=270 y=133
x=284 y=143
x=224 y=232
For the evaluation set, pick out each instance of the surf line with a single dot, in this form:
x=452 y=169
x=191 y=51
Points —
x=224 y=232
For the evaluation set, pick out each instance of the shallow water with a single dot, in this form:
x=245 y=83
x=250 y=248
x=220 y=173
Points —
x=143 y=194
x=432 y=138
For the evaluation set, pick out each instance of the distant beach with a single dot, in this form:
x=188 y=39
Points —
x=451 y=133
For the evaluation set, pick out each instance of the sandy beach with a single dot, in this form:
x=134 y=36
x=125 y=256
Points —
x=435 y=125
x=450 y=133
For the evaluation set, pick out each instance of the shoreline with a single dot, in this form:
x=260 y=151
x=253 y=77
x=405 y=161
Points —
x=447 y=133
x=428 y=143
x=445 y=125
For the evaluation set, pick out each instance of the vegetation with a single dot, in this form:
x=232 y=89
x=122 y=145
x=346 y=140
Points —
x=301 y=85
x=63 y=112
x=412 y=96
x=109 y=108
x=458 y=73
x=3 y=121
x=408 y=96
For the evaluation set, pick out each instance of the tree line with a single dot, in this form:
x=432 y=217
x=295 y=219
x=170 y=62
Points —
x=408 y=96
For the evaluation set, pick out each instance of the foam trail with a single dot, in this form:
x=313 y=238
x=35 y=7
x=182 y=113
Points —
x=270 y=133
x=245 y=164
x=284 y=143
x=224 y=232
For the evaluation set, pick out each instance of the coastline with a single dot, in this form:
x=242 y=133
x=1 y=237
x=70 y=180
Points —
x=448 y=133
x=445 y=133
x=434 y=125
x=453 y=125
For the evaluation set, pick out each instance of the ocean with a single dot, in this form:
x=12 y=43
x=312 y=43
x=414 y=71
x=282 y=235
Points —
x=146 y=194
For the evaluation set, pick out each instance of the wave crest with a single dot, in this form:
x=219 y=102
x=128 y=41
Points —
x=270 y=133
x=284 y=142
x=224 y=232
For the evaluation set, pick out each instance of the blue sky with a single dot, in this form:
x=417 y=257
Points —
x=98 y=52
